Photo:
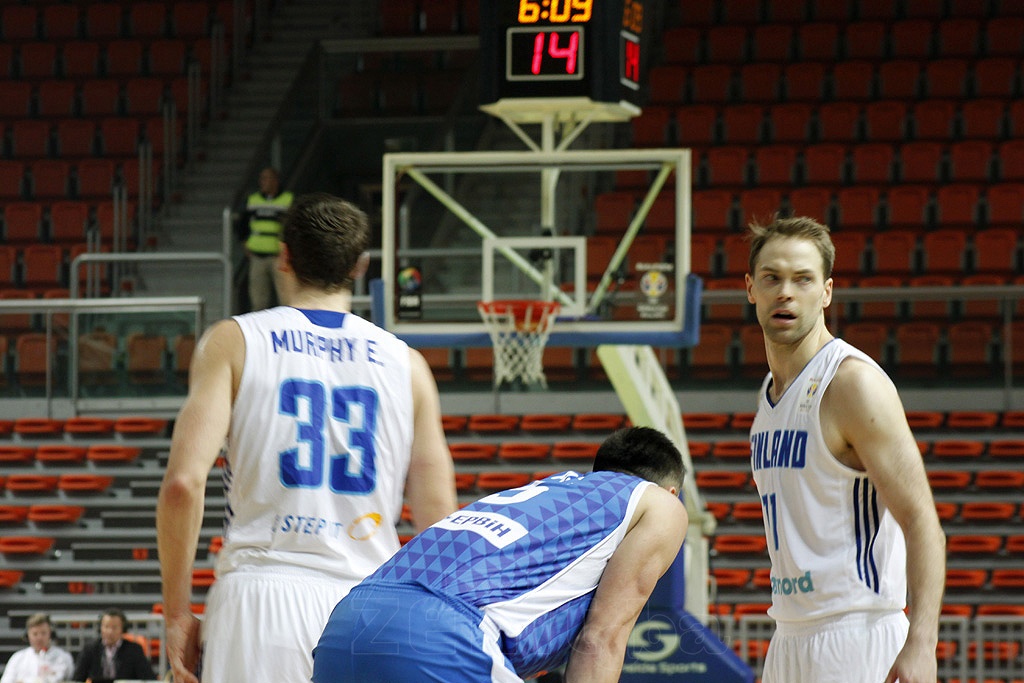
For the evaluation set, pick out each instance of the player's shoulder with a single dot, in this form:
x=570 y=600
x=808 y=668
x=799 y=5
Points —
x=661 y=503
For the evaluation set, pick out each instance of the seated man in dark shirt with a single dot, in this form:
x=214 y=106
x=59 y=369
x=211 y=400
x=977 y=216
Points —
x=111 y=656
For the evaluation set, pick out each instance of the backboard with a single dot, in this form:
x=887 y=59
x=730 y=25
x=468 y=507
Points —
x=545 y=225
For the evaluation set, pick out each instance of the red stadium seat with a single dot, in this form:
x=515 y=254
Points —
x=999 y=480
x=31 y=483
x=25 y=545
x=839 y=122
x=1005 y=210
x=726 y=44
x=16 y=455
x=740 y=544
x=84 y=483
x=499 y=481
x=873 y=163
x=790 y=122
x=473 y=451
x=140 y=426
x=545 y=422
x=574 y=450
x=933 y=119
x=865 y=40
x=853 y=79
x=818 y=41
x=1006 y=448
x=743 y=124
x=911 y=38
x=55 y=514
x=601 y=422
x=682 y=45
x=920 y=162
x=885 y=121
x=899 y=79
x=60 y=454
x=519 y=450
x=771 y=43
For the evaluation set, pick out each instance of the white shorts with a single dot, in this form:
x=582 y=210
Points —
x=852 y=648
x=262 y=625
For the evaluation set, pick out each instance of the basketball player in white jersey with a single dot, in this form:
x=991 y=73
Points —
x=328 y=422
x=849 y=515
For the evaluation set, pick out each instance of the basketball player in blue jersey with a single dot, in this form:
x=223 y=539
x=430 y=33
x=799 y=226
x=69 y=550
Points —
x=328 y=422
x=849 y=515
x=521 y=580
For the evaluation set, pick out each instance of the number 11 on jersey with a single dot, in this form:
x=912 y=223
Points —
x=771 y=516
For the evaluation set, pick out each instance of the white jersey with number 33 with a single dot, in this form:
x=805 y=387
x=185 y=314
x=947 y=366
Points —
x=319 y=447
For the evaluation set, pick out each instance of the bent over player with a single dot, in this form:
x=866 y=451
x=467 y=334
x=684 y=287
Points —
x=521 y=580
x=329 y=420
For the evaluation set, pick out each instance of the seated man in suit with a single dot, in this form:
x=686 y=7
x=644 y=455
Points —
x=111 y=656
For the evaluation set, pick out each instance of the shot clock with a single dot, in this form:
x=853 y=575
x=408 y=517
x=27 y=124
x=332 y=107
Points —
x=562 y=48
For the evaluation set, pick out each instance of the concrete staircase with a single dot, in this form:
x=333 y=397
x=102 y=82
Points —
x=228 y=144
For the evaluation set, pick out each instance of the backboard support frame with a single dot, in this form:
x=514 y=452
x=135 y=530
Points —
x=672 y=168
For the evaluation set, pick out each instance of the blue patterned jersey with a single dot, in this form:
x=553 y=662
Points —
x=529 y=559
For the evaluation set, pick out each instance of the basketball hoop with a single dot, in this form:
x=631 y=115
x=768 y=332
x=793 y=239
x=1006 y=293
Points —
x=519 y=329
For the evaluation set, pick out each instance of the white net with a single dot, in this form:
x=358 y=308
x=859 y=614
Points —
x=519 y=330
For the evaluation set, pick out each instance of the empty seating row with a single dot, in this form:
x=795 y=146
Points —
x=409 y=17
x=1003 y=422
x=146 y=358
x=62 y=222
x=879 y=163
x=87 y=179
x=929 y=420
x=900 y=251
x=711 y=12
x=115 y=136
x=86 y=59
x=96 y=97
x=834 y=41
x=995 y=450
x=107 y=20
x=950 y=513
x=993 y=545
x=84 y=427
x=383 y=93
x=820 y=82
x=909 y=350
x=38 y=268
x=963 y=206
x=886 y=120
x=946 y=309
x=67 y=454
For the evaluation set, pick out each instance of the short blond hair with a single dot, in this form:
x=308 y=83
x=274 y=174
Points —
x=799 y=227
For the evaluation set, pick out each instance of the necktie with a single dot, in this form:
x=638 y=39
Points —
x=108 y=664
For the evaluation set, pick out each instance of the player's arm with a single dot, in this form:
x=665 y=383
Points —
x=430 y=484
x=868 y=413
x=199 y=433
x=647 y=551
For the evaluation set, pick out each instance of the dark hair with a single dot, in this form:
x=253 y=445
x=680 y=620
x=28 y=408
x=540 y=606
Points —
x=115 y=612
x=325 y=236
x=644 y=452
x=799 y=227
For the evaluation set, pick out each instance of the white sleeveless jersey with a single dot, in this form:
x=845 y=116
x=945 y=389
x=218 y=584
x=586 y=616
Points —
x=318 y=453
x=834 y=546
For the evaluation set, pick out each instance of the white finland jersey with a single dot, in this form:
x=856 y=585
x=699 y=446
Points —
x=834 y=546
x=319 y=446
